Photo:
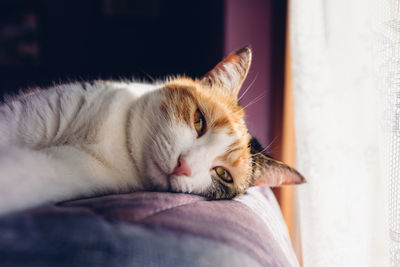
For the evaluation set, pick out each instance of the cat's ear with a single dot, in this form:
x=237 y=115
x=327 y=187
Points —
x=231 y=72
x=268 y=171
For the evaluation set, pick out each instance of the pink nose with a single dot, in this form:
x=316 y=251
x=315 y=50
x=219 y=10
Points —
x=182 y=168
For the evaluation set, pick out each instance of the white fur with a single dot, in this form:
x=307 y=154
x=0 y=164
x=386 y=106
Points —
x=66 y=142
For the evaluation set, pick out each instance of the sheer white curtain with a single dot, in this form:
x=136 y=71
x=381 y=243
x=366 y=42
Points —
x=336 y=48
x=387 y=62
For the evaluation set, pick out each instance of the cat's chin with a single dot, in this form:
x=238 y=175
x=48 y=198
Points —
x=179 y=185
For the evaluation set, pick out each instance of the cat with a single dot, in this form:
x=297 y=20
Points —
x=83 y=139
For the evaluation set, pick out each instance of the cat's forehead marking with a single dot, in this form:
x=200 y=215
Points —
x=179 y=103
x=221 y=112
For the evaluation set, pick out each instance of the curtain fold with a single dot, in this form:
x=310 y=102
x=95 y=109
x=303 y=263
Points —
x=342 y=209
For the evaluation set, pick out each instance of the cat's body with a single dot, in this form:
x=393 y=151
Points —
x=74 y=139
x=83 y=139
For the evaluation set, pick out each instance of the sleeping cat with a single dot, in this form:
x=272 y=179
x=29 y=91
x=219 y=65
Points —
x=87 y=138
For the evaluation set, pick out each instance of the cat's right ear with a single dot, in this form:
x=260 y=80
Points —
x=231 y=72
x=268 y=171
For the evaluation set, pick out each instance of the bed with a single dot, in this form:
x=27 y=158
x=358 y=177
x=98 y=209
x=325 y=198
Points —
x=149 y=229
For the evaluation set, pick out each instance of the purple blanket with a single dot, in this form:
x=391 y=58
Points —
x=149 y=229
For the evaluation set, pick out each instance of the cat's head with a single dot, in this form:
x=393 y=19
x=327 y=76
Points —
x=199 y=142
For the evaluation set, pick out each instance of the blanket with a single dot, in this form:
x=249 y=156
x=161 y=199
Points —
x=149 y=229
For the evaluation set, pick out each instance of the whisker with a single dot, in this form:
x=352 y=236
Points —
x=270 y=144
x=255 y=100
x=248 y=87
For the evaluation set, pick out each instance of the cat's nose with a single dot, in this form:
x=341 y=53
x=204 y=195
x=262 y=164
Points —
x=182 y=168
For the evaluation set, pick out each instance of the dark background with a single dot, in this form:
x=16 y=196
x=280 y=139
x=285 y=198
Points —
x=111 y=39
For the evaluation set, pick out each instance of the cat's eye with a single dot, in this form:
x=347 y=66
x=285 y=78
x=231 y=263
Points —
x=199 y=123
x=223 y=174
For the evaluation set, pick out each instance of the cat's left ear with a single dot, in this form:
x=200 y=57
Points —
x=231 y=72
x=268 y=171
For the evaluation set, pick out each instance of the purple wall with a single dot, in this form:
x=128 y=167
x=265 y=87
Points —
x=249 y=22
